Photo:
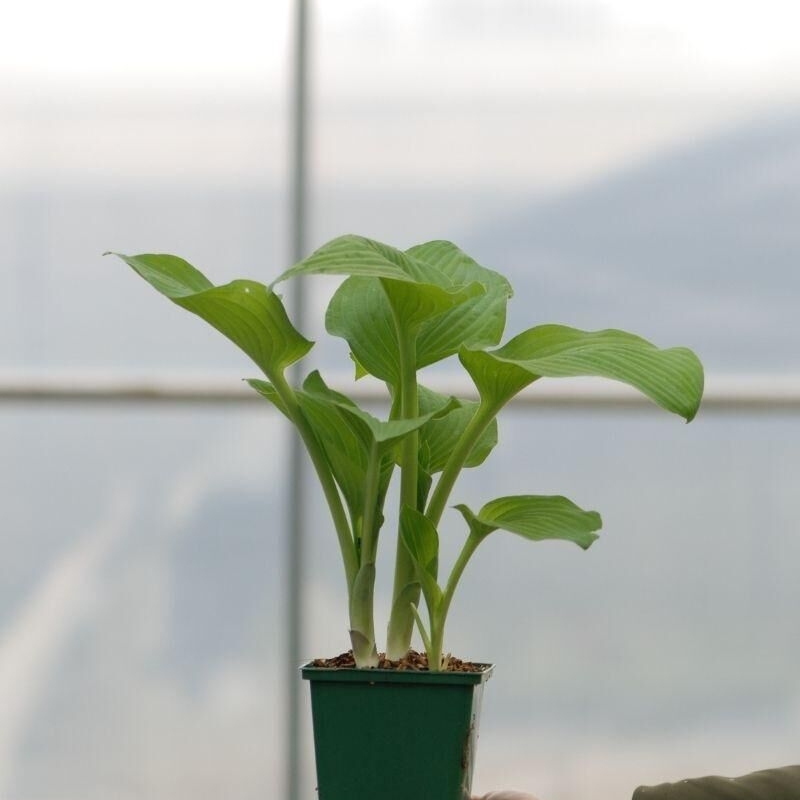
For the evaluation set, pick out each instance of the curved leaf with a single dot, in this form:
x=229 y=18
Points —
x=346 y=451
x=535 y=517
x=408 y=595
x=422 y=542
x=384 y=432
x=424 y=483
x=346 y=434
x=269 y=392
x=417 y=290
x=360 y=256
x=414 y=304
x=171 y=275
x=387 y=288
x=366 y=311
x=478 y=322
x=672 y=378
x=438 y=437
x=246 y=312
x=361 y=312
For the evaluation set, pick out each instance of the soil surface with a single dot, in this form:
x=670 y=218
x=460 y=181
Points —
x=414 y=661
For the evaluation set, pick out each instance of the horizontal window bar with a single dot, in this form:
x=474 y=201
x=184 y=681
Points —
x=747 y=392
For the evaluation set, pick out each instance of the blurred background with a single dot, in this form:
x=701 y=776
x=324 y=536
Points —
x=627 y=164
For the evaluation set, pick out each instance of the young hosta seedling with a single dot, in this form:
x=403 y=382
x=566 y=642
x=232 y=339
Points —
x=531 y=516
x=400 y=311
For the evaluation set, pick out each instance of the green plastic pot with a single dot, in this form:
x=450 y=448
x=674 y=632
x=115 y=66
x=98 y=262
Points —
x=395 y=735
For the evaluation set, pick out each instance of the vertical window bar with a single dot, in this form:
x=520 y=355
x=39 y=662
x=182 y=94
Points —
x=295 y=528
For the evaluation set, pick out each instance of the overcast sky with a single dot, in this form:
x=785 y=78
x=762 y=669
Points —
x=548 y=92
x=417 y=44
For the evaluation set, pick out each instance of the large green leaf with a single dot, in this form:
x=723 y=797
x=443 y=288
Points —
x=414 y=304
x=672 y=378
x=478 y=322
x=388 y=297
x=246 y=312
x=535 y=517
x=357 y=255
x=416 y=290
x=361 y=312
x=422 y=542
x=438 y=436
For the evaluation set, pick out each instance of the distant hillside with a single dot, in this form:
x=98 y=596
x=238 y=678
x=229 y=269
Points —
x=699 y=246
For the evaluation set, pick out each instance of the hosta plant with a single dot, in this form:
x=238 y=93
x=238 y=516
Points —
x=400 y=311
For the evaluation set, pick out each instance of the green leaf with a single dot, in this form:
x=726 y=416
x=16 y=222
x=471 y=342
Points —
x=366 y=312
x=246 y=312
x=346 y=440
x=535 y=517
x=268 y=392
x=357 y=255
x=345 y=450
x=360 y=371
x=346 y=434
x=438 y=437
x=385 y=433
x=408 y=596
x=414 y=304
x=672 y=378
x=170 y=275
x=478 y=322
x=387 y=288
x=422 y=542
x=480 y=530
x=416 y=290
x=424 y=483
x=436 y=403
x=361 y=312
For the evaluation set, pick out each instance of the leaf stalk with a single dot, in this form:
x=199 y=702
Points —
x=329 y=488
x=401 y=620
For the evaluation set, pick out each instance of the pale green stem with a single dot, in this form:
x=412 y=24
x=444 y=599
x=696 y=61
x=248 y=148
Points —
x=369 y=536
x=439 y=617
x=343 y=534
x=426 y=639
x=362 y=620
x=362 y=616
x=401 y=621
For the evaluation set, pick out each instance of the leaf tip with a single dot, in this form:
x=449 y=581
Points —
x=691 y=412
x=588 y=541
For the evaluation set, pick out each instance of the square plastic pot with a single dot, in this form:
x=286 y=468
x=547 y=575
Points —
x=395 y=735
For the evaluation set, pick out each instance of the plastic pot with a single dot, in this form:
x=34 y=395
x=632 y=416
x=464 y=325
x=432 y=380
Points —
x=395 y=735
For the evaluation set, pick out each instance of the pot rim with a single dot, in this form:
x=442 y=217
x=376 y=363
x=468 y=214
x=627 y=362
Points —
x=370 y=676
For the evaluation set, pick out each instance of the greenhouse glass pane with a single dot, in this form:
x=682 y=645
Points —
x=141 y=620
